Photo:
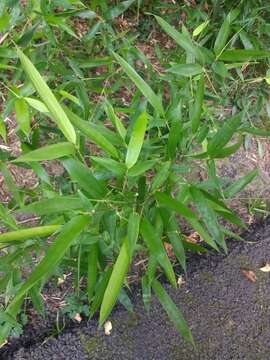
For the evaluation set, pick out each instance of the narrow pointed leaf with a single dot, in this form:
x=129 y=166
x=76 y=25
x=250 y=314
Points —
x=224 y=31
x=29 y=233
x=49 y=152
x=133 y=231
x=57 y=204
x=156 y=248
x=242 y=55
x=240 y=184
x=173 y=312
x=22 y=115
x=136 y=140
x=115 y=119
x=141 y=85
x=92 y=270
x=48 y=97
x=84 y=177
x=224 y=134
x=92 y=133
x=119 y=272
x=197 y=107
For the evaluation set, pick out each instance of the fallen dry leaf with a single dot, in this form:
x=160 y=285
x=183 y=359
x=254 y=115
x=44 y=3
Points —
x=250 y=275
x=107 y=328
x=78 y=317
x=265 y=268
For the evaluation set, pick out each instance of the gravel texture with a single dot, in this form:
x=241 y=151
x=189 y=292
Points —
x=229 y=316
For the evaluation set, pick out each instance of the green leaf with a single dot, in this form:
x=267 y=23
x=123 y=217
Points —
x=84 y=177
x=29 y=233
x=173 y=312
x=242 y=55
x=200 y=28
x=181 y=39
x=22 y=115
x=57 y=204
x=133 y=231
x=141 y=167
x=3 y=130
x=92 y=270
x=100 y=290
x=224 y=31
x=10 y=183
x=37 y=105
x=145 y=89
x=240 y=184
x=7 y=218
x=37 y=300
x=136 y=140
x=209 y=216
x=115 y=167
x=92 y=133
x=156 y=248
x=47 y=96
x=115 y=119
x=49 y=152
x=254 y=131
x=197 y=107
x=176 y=241
x=191 y=217
x=119 y=272
x=224 y=134
x=186 y=70
x=161 y=176
x=120 y=8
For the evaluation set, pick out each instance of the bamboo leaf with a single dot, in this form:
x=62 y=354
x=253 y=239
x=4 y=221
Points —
x=136 y=140
x=197 y=107
x=141 y=85
x=120 y=269
x=224 y=31
x=57 y=204
x=29 y=233
x=240 y=184
x=242 y=55
x=92 y=270
x=186 y=70
x=181 y=39
x=156 y=248
x=47 y=96
x=22 y=115
x=161 y=176
x=115 y=119
x=133 y=231
x=92 y=133
x=49 y=152
x=224 y=134
x=173 y=312
x=84 y=177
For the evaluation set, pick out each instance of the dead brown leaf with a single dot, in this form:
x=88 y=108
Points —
x=250 y=275
x=265 y=268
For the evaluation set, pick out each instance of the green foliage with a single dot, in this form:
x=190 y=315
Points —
x=129 y=136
